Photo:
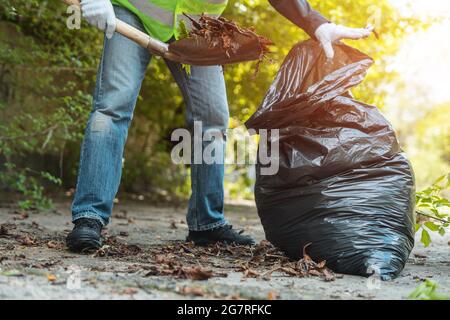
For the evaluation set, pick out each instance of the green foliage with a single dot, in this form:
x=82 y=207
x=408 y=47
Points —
x=435 y=208
x=429 y=143
x=427 y=290
x=43 y=104
x=27 y=182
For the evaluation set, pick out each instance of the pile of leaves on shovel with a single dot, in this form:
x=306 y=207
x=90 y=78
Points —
x=218 y=41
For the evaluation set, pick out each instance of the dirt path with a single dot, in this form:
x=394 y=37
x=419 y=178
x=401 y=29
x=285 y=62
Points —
x=145 y=258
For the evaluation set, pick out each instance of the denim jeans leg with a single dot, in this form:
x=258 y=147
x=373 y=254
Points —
x=205 y=96
x=122 y=69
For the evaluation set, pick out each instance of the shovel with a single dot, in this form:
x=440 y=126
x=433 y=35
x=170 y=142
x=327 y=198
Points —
x=154 y=46
x=196 y=50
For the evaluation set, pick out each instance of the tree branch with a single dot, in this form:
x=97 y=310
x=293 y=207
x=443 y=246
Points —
x=431 y=217
x=31 y=134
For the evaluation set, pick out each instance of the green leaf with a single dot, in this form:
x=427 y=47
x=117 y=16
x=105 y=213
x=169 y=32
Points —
x=432 y=226
x=425 y=238
x=442 y=202
x=441 y=178
x=11 y=273
x=417 y=226
x=187 y=68
x=427 y=291
x=183 y=32
x=51 y=178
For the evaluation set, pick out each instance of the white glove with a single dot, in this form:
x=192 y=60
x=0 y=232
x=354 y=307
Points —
x=100 y=14
x=328 y=33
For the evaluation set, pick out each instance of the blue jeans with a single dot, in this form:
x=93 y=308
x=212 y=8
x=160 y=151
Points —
x=122 y=69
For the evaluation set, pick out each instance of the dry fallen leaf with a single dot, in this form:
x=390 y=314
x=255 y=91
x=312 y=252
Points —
x=321 y=265
x=250 y=273
x=54 y=245
x=329 y=276
x=51 y=277
x=272 y=295
x=197 y=273
x=194 y=291
x=129 y=291
x=173 y=225
x=27 y=240
x=162 y=259
x=102 y=252
x=291 y=271
x=315 y=273
x=21 y=216
x=3 y=230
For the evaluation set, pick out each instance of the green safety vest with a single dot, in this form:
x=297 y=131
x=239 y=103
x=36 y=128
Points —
x=161 y=17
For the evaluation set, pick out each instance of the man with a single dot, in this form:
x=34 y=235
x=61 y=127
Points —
x=122 y=69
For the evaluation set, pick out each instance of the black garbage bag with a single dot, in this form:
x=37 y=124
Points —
x=343 y=184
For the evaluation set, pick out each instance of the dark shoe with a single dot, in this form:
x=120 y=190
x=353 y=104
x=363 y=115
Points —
x=224 y=234
x=85 y=235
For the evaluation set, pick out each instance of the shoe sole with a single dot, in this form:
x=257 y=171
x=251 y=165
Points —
x=80 y=245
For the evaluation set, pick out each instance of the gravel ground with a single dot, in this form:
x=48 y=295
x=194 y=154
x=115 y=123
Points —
x=34 y=263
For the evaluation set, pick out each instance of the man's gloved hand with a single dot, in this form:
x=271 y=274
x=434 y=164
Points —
x=328 y=33
x=100 y=14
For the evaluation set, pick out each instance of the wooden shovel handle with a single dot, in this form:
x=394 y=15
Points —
x=153 y=45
